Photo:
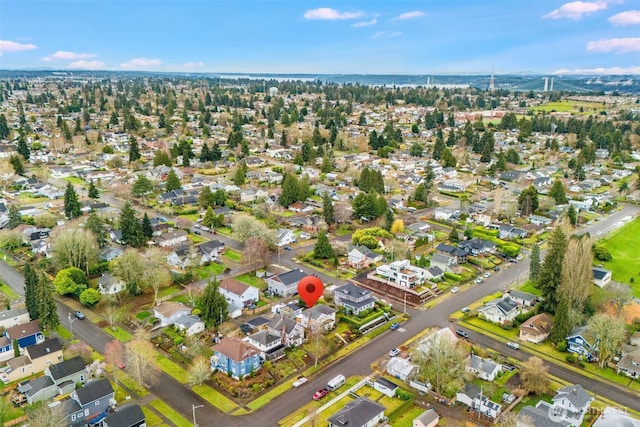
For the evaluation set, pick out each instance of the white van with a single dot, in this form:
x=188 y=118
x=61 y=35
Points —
x=336 y=382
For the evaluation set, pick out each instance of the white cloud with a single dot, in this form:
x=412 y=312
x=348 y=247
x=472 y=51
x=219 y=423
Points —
x=576 y=9
x=361 y=24
x=87 y=65
x=600 y=70
x=69 y=56
x=9 y=46
x=410 y=15
x=630 y=17
x=328 y=14
x=380 y=34
x=624 y=45
x=140 y=64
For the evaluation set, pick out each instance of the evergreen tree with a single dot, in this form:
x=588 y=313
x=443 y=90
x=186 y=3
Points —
x=219 y=197
x=93 y=191
x=240 y=176
x=172 y=182
x=130 y=227
x=134 y=150
x=534 y=263
x=31 y=291
x=216 y=153
x=205 y=153
x=4 y=127
x=210 y=219
x=17 y=163
x=454 y=237
x=147 y=229
x=289 y=193
x=71 y=203
x=206 y=198
x=438 y=148
x=23 y=149
x=15 y=219
x=96 y=226
x=328 y=211
x=528 y=201
x=388 y=219
x=557 y=192
x=47 y=310
x=550 y=274
x=561 y=323
x=141 y=187
x=162 y=158
x=213 y=305
x=572 y=214
x=323 y=249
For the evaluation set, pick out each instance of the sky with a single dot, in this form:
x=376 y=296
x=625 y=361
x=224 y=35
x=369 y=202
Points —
x=324 y=37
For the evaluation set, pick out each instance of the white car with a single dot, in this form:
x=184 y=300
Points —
x=454 y=289
x=299 y=382
x=394 y=352
x=487 y=274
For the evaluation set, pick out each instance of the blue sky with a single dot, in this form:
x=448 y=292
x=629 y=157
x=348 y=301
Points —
x=297 y=36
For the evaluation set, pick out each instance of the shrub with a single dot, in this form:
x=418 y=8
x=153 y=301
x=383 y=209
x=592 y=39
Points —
x=561 y=346
x=403 y=394
x=601 y=253
x=89 y=297
x=178 y=340
x=581 y=364
x=571 y=358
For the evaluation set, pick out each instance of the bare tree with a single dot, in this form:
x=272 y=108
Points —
x=257 y=252
x=130 y=268
x=112 y=309
x=81 y=349
x=139 y=354
x=246 y=226
x=441 y=362
x=576 y=276
x=114 y=356
x=193 y=292
x=620 y=295
x=609 y=332
x=199 y=371
x=42 y=415
x=342 y=212
x=74 y=247
x=533 y=376
x=156 y=274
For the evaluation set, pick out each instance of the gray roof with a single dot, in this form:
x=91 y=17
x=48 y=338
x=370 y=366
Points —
x=351 y=289
x=388 y=384
x=428 y=416
x=66 y=368
x=94 y=390
x=264 y=337
x=126 y=416
x=32 y=387
x=15 y=312
x=539 y=416
x=471 y=390
x=356 y=413
x=575 y=394
x=48 y=346
x=291 y=277
x=599 y=273
x=522 y=295
x=484 y=365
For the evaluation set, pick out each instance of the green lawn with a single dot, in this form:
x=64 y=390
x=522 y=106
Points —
x=64 y=332
x=254 y=281
x=170 y=413
x=214 y=397
x=74 y=180
x=405 y=419
x=624 y=247
x=570 y=107
x=528 y=287
x=212 y=269
x=10 y=293
x=151 y=418
x=233 y=255
x=119 y=334
x=171 y=368
x=6 y=257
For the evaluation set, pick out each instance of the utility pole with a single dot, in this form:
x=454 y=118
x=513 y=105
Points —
x=193 y=409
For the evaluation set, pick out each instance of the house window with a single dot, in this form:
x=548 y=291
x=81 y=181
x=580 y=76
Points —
x=73 y=417
x=86 y=412
x=97 y=402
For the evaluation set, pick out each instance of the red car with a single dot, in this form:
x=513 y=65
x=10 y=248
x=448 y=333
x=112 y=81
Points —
x=320 y=394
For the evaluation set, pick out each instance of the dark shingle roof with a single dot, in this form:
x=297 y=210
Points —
x=45 y=347
x=66 y=368
x=126 y=416
x=356 y=413
x=94 y=390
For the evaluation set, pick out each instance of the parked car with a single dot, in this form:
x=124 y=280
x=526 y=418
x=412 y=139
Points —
x=394 y=326
x=487 y=274
x=462 y=333
x=78 y=314
x=287 y=248
x=479 y=280
x=465 y=310
x=394 y=352
x=320 y=394
x=496 y=268
x=454 y=289
x=196 y=231
x=300 y=381
x=513 y=345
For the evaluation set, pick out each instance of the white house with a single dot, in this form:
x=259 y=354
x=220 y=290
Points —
x=169 y=311
x=362 y=257
x=110 y=285
x=172 y=238
x=571 y=403
x=13 y=317
x=190 y=323
x=238 y=293
x=385 y=386
x=428 y=418
x=318 y=317
x=367 y=412
x=500 y=310
x=284 y=237
x=353 y=298
x=485 y=369
x=471 y=395
x=285 y=284
x=400 y=368
x=402 y=273
x=601 y=276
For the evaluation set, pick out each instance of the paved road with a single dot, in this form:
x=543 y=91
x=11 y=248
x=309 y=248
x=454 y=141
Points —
x=358 y=362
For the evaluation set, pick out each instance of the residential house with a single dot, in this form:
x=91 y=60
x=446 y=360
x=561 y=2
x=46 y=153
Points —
x=500 y=310
x=6 y=348
x=285 y=284
x=191 y=324
x=601 y=277
x=485 y=369
x=13 y=317
x=211 y=250
x=284 y=237
x=471 y=396
x=434 y=273
x=539 y=416
x=168 y=311
x=477 y=247
x=308 y=223
x=402 y=273
x=172 y=238
x=37 y=389
x=401 y=368
x=353 y=298
x=536 y=329
x=361 y=257
x=629 y=363
x=300 y=207
x=458 y=254
x=290 y=331
x=524 y=299
x=581 y=342
x=428 y=418
x=89 y=404
x=67 y=374
x=237 y=293
x=127 y=416
x=184 y=256
x=36 y=359
x=386 y=387
x=361 y=412
x=110 y=285
x=614 y=417
x=269 y=344
x=26 y=334
x=235 y=357
x=508 y=231
x=443 y=262
x=418 y=227
x=320 y=317
x=571 y=404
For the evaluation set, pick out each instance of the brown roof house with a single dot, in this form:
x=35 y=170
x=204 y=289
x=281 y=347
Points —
x=235 y=357
x=536 y=329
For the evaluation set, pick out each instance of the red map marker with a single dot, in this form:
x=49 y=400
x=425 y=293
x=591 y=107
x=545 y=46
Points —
x=310 y=289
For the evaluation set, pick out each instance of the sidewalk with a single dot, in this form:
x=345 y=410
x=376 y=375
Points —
x=334 y=400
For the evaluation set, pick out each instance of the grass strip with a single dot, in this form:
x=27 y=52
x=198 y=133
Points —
x=215 y=398
x=170 y=413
